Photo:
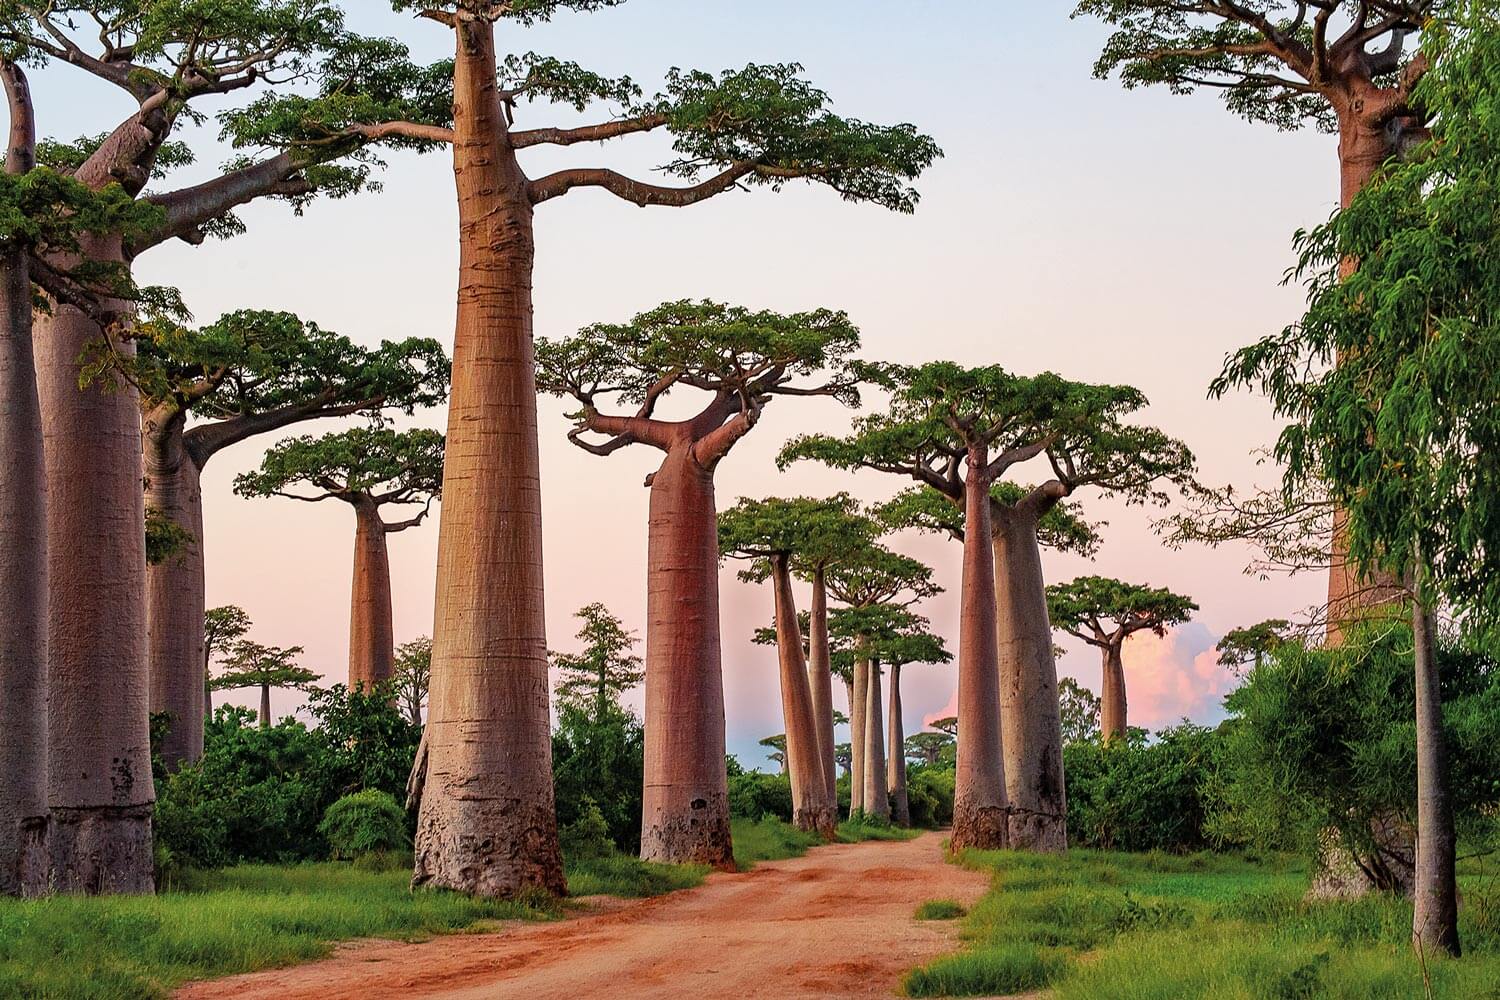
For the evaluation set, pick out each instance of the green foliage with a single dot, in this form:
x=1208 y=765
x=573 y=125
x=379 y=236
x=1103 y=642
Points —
x=1006 y=969
x=252 y=664
x=365 y=822
x=753 y=795
x=862 y=827
x=940 y=909
x=1080 y=709
x=598 y=759
x=1098 y=610
x=929 y=796
x=363 y=464
x=47 y=212
x=164 y=536
x=811 y=533
x=929 y=748
x=594 y=679
x=587 y=837
x=1250 y=644
x=629 y=877
x=1135 y=795
x=924 y=508
x=526 y=12
x=412 y=675
x=768 y=839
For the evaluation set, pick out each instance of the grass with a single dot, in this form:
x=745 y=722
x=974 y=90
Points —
x=861 y=828
x=768 y=839
x=940 y=909
x=1094 y=925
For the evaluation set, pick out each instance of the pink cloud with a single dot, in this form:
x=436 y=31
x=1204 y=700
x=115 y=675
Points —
x=1176 y=676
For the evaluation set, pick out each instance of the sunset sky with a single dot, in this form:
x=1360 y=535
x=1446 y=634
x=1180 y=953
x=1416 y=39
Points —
x=1073 y=225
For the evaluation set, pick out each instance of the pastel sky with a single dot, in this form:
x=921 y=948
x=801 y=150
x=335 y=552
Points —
x=1073 y=226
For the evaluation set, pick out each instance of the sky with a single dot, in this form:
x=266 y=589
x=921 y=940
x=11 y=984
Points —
x=1073 y=226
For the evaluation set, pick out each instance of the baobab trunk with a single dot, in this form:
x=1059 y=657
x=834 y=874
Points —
x=175 y=588
x=23 y=555
x=99 y=750
x=265 y=706
x=487 y=823
x=857 y=712
x=877 y=800
x=685 y=807
x=895 y=773
x=372 y=635
x=811 y=808
x=1030 y=714
x=1112 y=700
x=980 y=807
x=1435 y=916
x=820 y=681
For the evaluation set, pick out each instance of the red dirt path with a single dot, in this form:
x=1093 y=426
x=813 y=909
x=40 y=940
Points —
x=834 y=923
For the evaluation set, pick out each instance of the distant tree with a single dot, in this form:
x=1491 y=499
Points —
x=1080 y=711
x=594 y=679
x=777 y=745
x=928 y=748
x=907 y=639
x=1249 y=645
x=222 y=627
x=250 y=664
x=843 y=757
x=411 y=676
x=1104 y=613
x=368 y=468
x=947 y=724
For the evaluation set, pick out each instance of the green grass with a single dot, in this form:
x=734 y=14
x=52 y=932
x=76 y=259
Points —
x=768 y=839
x=630 y=877
x=861 y=828
x=1105 y=926
x=940 y=909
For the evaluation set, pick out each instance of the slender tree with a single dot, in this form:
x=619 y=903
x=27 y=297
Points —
x=1342 y=66
x=368 y=468
x=249 y=373
x=741 y=360
x=254 y=665
x=594 y=679
x=222 y=626
x=777 y=747
x=1104 y=613
x=1252 y=643
x=413 y=676
x=958 y=431
x=910 y=641
x=1081 y=709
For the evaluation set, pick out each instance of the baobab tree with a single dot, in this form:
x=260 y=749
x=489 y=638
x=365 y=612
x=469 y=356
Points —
x=959 y=430
x=368 y=468
x=222 y=626
x=247 y=374
x=928 y=747
x=251 y=664
x=741 y=359
x=412 y=676
x=777 y=747
x=1104 y=613
x=910 y=640
x=607 y=667
x=1251 y=643
x=775 y=534
x=1340 y=66
x=167 y=61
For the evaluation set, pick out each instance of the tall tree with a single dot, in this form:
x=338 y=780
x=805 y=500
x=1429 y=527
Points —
x=909 y=640
x=249 y=373
x=167 y=59
x=594 y=679
x=1402 y=430
x=1342 y=66
x=1081 y=708
x=222 y=626
x=412 y=677
x=958 y=430
x=741 y=359
x=368 y=468
x=778 y=534
x=251 y=664
x=1104 y=613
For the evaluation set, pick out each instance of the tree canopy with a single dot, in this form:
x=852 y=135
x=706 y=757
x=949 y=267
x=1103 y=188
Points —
x=1251 y=643
x=223 y=626
x=606 y=667
x=253 y=664
x=1080 y=709
x=412 y=675
x=1062 y=527
x=810 y=533
x=1103 y=611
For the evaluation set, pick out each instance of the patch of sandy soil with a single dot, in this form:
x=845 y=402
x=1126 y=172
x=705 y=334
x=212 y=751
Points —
x=836 y=922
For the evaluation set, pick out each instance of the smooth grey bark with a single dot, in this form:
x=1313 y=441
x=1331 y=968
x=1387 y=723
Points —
x=895 y=772
x=857 y=710
x=877 y=801
x=1435 y=913
x=265 y=706
x=820 y=680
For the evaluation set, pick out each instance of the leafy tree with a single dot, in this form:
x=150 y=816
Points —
x=1080 y=711
x=1250 y=644
x=740 y=360
x=251 y=664
x=843 y=756
x=1104 y=613
x=411 y=677
x=1143 y=794
x=959 y=431
x=598 y=760
x=1402 y=428
x=777 y=745
x=906 y=639
x=595 y=678
x=368 y=468
x=929 y=748
x=948 y=724
x=222 y=627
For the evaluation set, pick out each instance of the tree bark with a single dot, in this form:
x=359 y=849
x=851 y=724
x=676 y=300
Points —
x=1435 y=916
x=1112 y=723
x=980 y=806
x=487 y=823
x=877 y=799
x=265 y=706
x=857 y=710
x=23 y=556
x=820 y=681
x=99 y=749
x=895 y=772
x=175 y=588
x=685 y=807
x=811 y=808
x=1030 y=713
x=372 y=634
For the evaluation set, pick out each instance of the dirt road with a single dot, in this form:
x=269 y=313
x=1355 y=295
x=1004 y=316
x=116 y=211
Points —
x=834 y=923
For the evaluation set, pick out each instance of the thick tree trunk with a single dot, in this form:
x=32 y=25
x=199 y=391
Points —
x=99 y=750
x=685 y=807
x=895 y=772
x=1435 y=917
x=265 y=706
x=980 y=807
x=23 y=560
x=1112 y=723
x=877 y=799
x=811 y=807
x=487 y=823
x=820 y=681
x=372 y=635
x=1031 y=716
x=857 y=710
x=175 y=588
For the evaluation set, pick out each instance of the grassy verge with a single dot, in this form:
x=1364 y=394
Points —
x=1106 y=926
x=767 y=839
x=852 y=831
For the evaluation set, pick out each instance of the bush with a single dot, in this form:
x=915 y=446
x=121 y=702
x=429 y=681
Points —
x=754 y=795
x=598 y=760
x=929 y=795
x=587 y=837
x=1132 y=794
x=364 y=823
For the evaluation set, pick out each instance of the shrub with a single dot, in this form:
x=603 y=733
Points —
x=754 y=795
x=1132 y=794
x=929 y=795
x=587 y=837
x=598 y=759
x=364 y=823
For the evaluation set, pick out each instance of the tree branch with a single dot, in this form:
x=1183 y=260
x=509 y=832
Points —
x=637 y=192
x=587 y=133
x=188 y=209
